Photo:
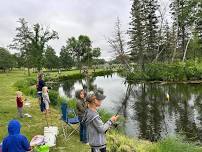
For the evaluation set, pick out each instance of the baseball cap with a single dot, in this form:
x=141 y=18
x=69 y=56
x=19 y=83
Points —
x=95 y=95
x=99 y=95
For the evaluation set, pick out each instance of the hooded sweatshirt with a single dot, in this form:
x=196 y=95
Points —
x=15 y=142
x=96 y=128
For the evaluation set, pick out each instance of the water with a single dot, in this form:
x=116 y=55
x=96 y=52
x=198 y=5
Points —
x=148 y=113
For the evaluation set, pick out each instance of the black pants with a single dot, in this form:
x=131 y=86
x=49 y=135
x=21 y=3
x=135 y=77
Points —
x=101 y=150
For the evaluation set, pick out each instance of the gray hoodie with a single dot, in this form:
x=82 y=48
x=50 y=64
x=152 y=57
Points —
x=96 y=128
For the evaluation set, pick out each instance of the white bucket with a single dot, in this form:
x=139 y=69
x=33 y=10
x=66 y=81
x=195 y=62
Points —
x=52 y=129
x=50 y=134
x=50 y=139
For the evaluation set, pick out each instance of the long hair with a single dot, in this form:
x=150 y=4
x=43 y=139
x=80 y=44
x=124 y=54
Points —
x=78 y=92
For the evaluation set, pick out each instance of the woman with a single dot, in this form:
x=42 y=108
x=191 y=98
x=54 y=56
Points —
x=40 y=85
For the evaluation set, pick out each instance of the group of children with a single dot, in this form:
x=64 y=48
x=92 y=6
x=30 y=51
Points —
x=44 y=101
x=92 y=129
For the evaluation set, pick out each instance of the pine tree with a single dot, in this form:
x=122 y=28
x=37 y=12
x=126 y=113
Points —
x=136 y=32
x=151 y=28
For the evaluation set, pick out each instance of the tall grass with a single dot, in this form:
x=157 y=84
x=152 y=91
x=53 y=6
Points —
x=120 y=143
x=168 y=72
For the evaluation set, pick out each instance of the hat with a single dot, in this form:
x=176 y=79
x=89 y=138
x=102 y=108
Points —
x=90 y=96
x=99 y=95
x=95 y=95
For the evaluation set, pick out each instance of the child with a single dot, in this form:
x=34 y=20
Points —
x=46 y=99
x=19 y=102
x=15 y=142
x=95 y=127
x=81 y=107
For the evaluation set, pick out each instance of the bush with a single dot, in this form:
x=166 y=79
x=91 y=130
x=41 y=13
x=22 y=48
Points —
x=104 y=115
x=27 y=86
x=53 y=96
x=71 y=103
x=167 y=72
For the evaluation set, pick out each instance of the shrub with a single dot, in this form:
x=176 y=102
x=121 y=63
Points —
x=104 y=115
x=72 y=103
x=27 y=86
x=53 y=95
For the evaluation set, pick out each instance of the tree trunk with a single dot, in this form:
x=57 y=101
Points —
x=28 y=71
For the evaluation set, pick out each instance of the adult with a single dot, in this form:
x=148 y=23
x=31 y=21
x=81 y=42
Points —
x=40 y=85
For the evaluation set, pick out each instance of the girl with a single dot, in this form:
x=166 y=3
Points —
x=81 y=106
x=46 y=99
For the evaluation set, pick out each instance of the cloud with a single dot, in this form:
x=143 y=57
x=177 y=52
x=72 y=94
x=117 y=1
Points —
x=95 y=18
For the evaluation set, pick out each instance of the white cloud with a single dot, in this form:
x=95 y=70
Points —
x=94 y=18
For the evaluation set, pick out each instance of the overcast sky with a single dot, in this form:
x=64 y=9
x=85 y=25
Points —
x=95 y=18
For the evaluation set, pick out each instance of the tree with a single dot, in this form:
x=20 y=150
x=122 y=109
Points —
x=6 y=59
x=118 y=45
x=80 y=50
x=32 y=43
x=51 y=59
x=21 y=42
x=136 y=32
x=151 y=20
x=66 y=58
x=183 y=15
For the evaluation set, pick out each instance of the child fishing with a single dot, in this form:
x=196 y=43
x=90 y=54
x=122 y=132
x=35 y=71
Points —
x=95 y=127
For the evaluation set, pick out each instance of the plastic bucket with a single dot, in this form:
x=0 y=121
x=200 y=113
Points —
x=50 y=139
x=52 y=129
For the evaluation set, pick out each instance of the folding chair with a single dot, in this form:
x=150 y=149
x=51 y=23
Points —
x=70 y=121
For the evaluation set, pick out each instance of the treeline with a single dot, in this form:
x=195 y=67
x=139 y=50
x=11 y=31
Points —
x=35 y=53
x=154 y=37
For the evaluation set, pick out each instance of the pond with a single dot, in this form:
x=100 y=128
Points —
x=149 y=113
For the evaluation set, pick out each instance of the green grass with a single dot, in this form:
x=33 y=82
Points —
x=33 y=126
x=30 y=127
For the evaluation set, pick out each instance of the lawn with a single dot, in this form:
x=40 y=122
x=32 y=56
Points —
x=30 y=126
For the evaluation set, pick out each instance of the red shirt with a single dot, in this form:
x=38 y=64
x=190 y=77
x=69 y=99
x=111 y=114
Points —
x=19 y=102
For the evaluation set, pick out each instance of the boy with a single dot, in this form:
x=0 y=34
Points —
x=15 y=142
x=95 y=127
x=19 y=102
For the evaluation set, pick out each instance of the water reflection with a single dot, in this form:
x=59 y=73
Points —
x=148 y=114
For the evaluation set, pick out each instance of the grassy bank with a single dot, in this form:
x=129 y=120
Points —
x=75 y=74
x=34 y=126
x=175 y=72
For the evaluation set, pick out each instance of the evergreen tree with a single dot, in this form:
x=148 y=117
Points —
x=150 y=8
x=136 y=33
